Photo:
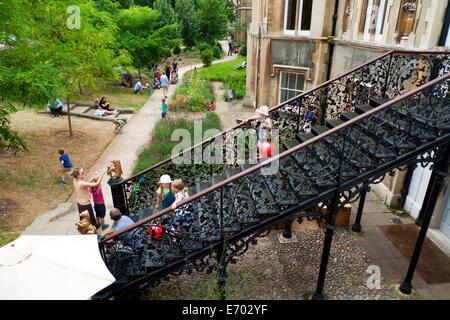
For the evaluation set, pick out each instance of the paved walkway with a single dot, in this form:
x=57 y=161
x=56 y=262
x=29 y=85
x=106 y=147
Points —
x=280 y=270
x=124 y=147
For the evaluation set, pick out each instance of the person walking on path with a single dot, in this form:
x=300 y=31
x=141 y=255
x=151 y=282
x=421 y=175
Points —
x=165 y=85
x=164 y=108
x=81 y=188
x=230 y=49
x=168 y=69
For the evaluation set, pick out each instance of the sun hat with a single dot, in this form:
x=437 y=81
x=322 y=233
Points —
x=264 y=110
x=165 y=178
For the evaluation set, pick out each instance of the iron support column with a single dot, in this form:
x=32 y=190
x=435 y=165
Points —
x=221 y=252
x=330 y=226
x=357 y=225
x=434 y=188
x=118 y=194
x=287 y=233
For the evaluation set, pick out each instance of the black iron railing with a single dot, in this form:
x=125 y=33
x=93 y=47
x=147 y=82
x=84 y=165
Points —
x=329 y=169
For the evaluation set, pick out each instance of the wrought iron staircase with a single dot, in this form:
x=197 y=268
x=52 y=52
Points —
x=386 y=114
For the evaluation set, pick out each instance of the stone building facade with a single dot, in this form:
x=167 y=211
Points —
x=295 y=45
x=244 y=16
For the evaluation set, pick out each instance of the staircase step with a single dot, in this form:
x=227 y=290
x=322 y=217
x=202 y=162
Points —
x=376 y=102
x=278 y=187
x=319 y=129
x=364 y=141
x=261 y=195
x=307 y=160
x=362 y=109
x=243 y=206
x=293 y=174
x=207 y=209
x=304 y=136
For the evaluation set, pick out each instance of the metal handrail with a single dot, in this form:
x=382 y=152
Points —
x=285 y=153
x=391 y=52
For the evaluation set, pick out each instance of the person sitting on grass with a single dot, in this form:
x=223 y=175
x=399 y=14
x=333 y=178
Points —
x=243 y=66
x=55 y=108
x=66 y=165
x=119 y=125
x=101 y=112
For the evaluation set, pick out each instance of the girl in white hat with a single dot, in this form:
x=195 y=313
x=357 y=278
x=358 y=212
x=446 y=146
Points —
x=164 y=192
x=265 y=128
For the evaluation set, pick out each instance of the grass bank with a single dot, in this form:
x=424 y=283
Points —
x=224 y=71
x=162 y=144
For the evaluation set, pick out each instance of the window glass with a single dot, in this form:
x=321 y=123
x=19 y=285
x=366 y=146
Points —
x=291 y=8
x=291 y=85
x=305 y=23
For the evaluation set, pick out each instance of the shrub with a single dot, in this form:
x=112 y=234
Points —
x=243 y=51
x=204 y=46
x=217 y=53
x=207 y=57
x=177 y=49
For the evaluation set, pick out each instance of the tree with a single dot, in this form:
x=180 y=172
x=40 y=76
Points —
x=188 y=20
x=141 y=34
x=230 y=10
x=212 y=19
x=168 y=16
x=48 y=58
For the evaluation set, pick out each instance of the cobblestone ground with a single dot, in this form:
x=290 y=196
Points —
x=271 y=270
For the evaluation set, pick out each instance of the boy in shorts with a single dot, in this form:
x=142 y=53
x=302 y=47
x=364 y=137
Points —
x=66 y=165
x=164 y=108
x=119 y=124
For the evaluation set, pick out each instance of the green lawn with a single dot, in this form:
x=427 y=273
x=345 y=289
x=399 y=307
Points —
x=224 y=71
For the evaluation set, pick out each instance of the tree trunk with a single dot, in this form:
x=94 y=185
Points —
x=140 y=77
x=68 y=117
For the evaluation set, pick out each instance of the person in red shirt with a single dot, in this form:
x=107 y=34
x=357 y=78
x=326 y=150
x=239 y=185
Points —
x=210 y=107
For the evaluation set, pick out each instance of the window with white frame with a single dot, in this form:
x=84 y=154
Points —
x=372 y=19
x=368 y=20
x=305 y=11
x=301 y=9
x=380 y=20
x=290 y=13
x=291 y=84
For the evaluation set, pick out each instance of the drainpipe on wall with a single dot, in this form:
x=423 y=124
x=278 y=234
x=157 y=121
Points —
x=445 y=26
x=331 y=39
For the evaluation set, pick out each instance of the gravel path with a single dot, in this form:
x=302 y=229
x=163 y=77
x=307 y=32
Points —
x=271 y=270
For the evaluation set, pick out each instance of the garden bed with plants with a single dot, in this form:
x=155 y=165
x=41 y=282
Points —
x=161 y=146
